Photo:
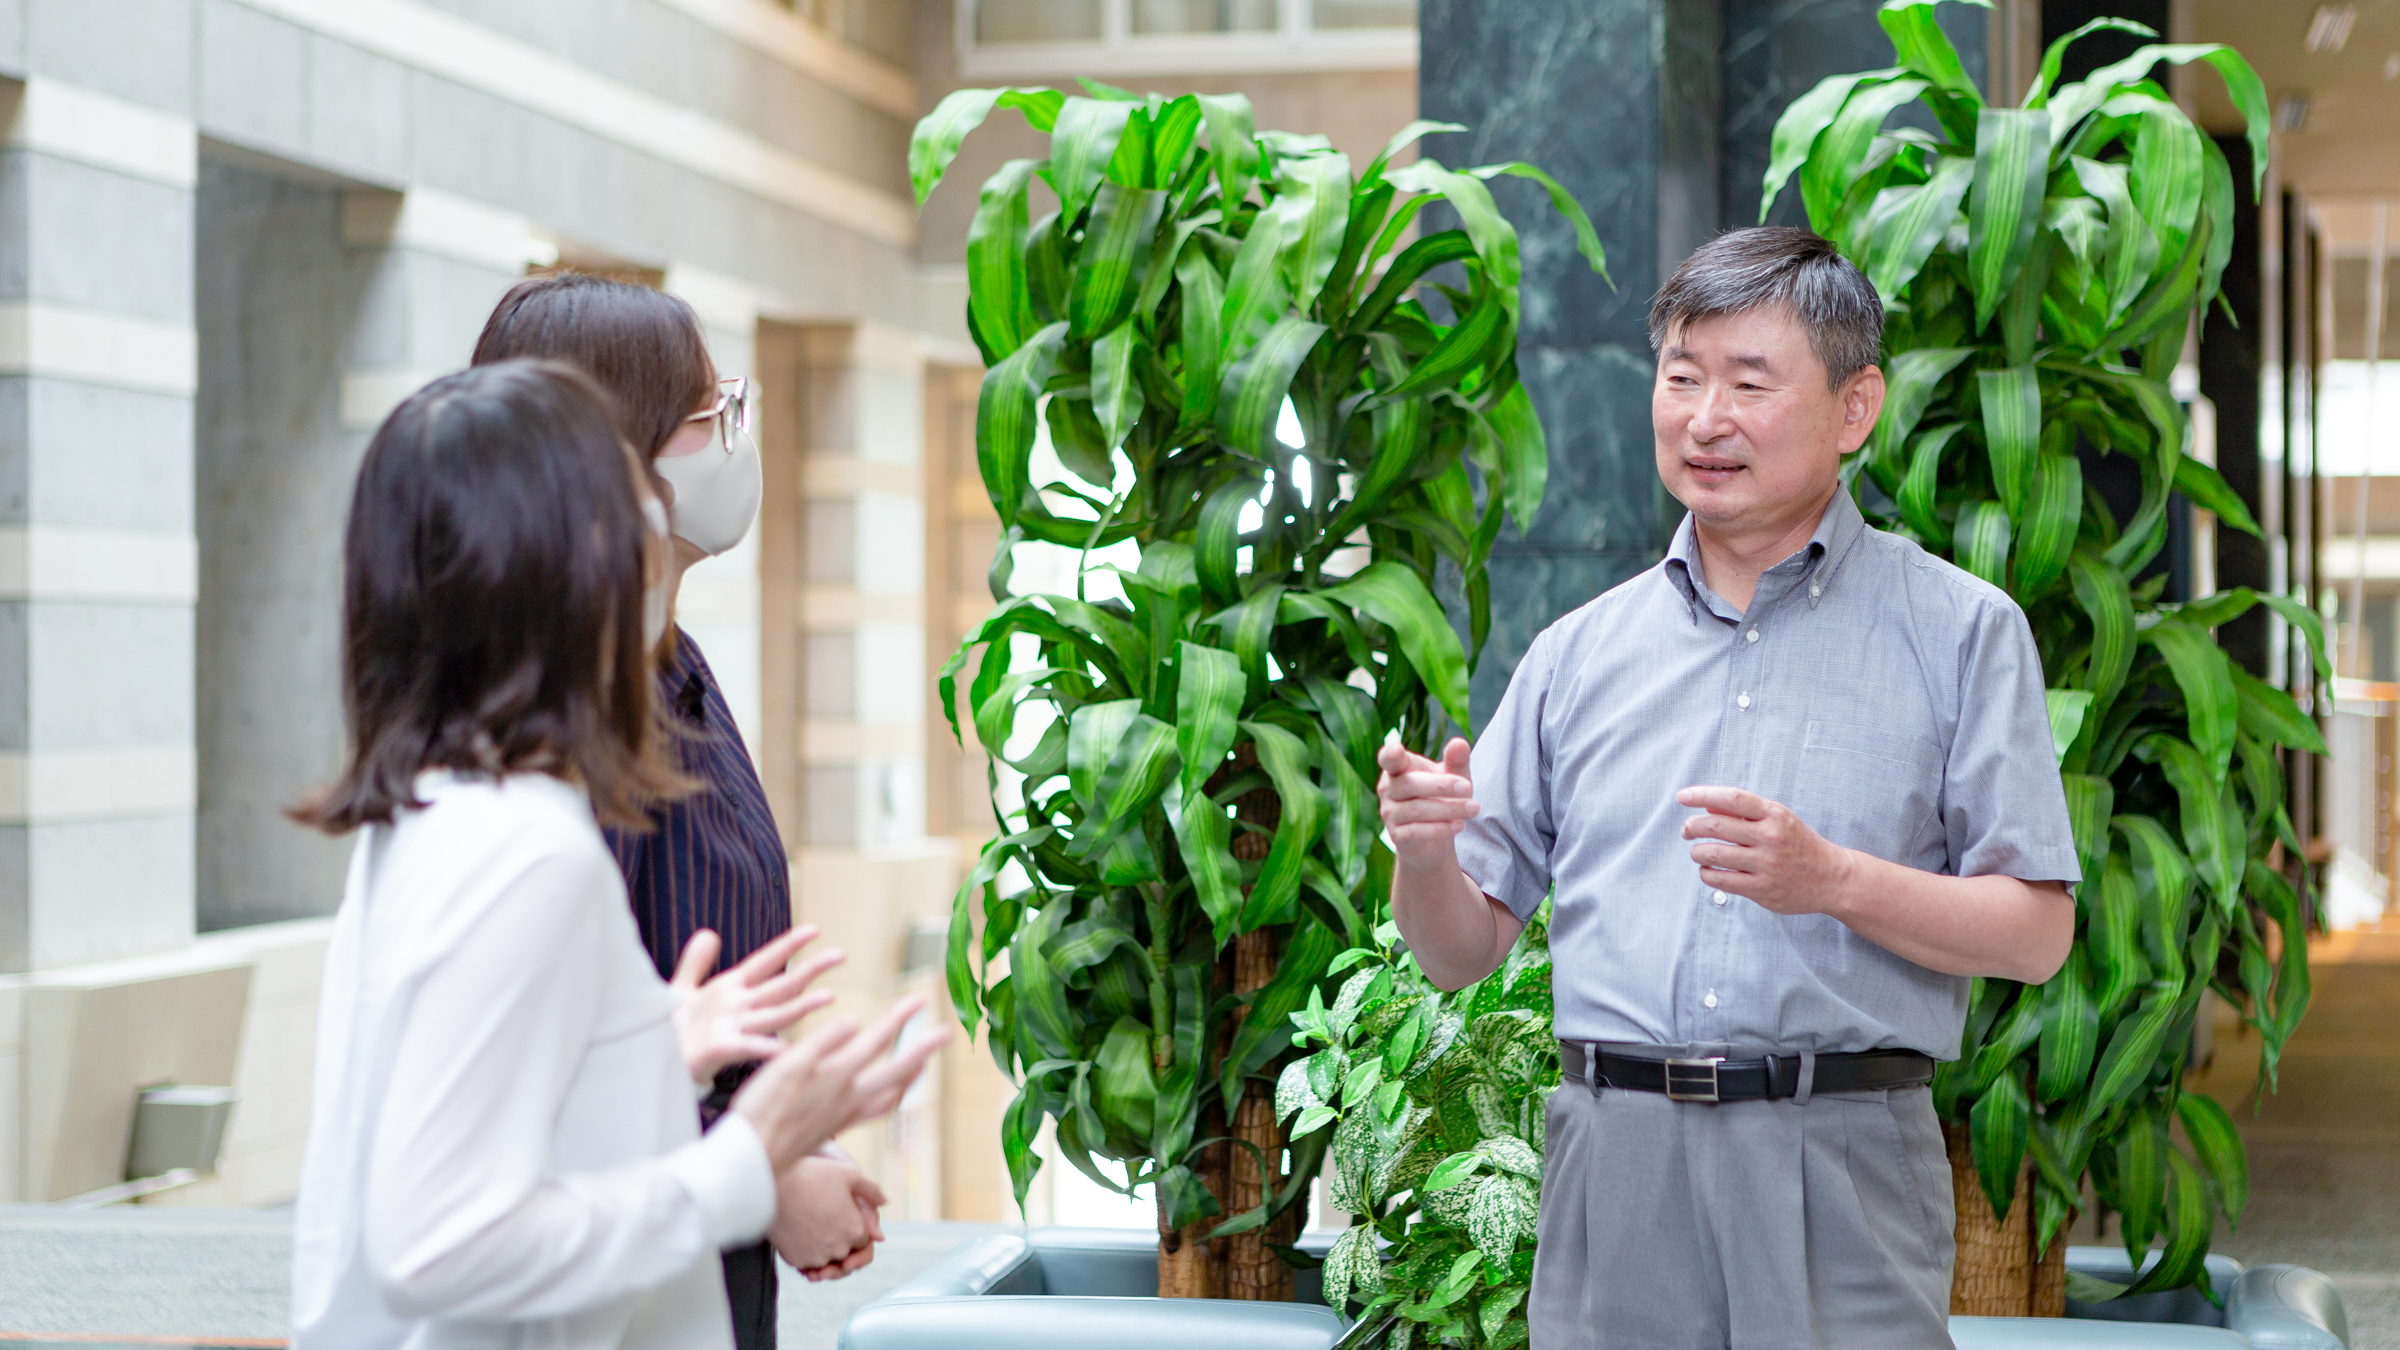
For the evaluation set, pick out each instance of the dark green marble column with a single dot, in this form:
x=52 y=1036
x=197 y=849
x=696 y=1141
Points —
x=1657 y=115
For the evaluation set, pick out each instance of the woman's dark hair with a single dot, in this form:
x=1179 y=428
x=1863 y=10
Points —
x=643 y=346
x=493 y=576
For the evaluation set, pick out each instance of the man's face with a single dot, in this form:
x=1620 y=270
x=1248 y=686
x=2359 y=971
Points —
x=1748 y=431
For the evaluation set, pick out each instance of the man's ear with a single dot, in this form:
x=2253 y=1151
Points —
x=1862 y=403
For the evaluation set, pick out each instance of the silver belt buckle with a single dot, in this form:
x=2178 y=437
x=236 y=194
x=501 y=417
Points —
x=1693 y=1080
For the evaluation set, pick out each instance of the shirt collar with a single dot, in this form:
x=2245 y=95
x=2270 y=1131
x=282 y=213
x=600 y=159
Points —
x=1837 y=532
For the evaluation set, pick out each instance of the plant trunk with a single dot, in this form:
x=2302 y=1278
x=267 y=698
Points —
x=1999 y=1272
x=1252 y=1269
x=1189 y=1265
x=1243 y=1266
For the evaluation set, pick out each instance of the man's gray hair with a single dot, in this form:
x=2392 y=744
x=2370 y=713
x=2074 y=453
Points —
x=1743 y=270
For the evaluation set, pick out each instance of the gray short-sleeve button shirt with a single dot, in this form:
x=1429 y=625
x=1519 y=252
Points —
x=1892 y=701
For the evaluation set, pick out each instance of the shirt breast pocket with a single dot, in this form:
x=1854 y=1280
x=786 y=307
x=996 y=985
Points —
x=1873 y=788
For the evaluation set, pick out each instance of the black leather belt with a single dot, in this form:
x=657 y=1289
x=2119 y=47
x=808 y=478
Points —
x=1717 y=1079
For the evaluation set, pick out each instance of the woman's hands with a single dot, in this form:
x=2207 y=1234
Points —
x=826 y=1220
x=733 y=1018
x=831 y=1079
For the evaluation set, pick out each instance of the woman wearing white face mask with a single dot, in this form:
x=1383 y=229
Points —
x=712 y=878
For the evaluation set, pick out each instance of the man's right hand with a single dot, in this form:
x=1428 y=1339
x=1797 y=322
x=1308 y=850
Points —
x=1425 y=803
x=1457 y=933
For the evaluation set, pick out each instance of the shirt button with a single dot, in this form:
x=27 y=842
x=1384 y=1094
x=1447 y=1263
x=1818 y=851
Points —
x=1753 y=635
x=1816 y=590
x=1711 y=1000
x=1718 y=896
x=1742 y=702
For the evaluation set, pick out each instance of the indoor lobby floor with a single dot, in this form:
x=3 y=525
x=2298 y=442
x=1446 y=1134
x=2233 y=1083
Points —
x=2325 y=1146
x=2324 y=1169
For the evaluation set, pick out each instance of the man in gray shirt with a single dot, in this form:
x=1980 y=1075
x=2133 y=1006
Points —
x=1794 y=787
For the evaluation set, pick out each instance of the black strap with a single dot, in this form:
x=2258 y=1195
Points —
x=1746 y=1080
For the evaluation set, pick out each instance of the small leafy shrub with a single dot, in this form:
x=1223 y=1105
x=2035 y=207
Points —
x=1436 y=1101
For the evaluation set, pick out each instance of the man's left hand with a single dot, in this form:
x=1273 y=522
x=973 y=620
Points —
x=1753 y=847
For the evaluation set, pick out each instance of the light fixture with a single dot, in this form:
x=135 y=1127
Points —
x=2391 y=66
x=2291 y=112
x=2330 y=27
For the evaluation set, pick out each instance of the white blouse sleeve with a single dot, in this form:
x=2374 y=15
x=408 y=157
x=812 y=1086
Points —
x=462 y=1217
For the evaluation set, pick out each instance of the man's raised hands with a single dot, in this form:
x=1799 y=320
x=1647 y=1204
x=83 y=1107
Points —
x=1425 y=803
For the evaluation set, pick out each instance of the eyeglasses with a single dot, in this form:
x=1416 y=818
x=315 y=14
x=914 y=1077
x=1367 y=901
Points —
x=731 y=413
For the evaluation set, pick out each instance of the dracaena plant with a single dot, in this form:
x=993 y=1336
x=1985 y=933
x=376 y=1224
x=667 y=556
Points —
x=2040 y=266
x=1436 y=1101
x=1187 y=835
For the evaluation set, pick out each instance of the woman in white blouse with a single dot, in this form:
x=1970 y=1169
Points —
x=503 y=1150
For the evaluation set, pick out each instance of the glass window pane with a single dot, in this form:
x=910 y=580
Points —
x=1366 y=13
x=1003 y=21
x=1203 y=16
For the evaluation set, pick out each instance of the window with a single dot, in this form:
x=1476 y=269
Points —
x=1051 y=38
x=1011 y=22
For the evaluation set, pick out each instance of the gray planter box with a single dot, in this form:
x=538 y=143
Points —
x=1094 y=1289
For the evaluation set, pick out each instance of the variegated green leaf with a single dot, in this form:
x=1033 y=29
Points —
x=2070 y=1029
x=1910 y=379
x=1998 y=1125
x=1908 y=222
x=1500 y=1217
x=2211 y=707
x=1980 y=541
x=2108 y=603
x=2012 y=165
x=1802 y=124
x=1834 y=162
x=1004 y=419
x=1252 y=394
x=1393 y=596
x=939 y=134
x=1353 y=1268
x=999 y=306
x=1312 y=194
x=1082 y=142
x=2011 y=400
x=2068 y=709
x=1107 y=275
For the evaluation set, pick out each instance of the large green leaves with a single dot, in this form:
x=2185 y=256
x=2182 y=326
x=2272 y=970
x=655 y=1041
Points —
x=2090 y=224
x=1189 y=758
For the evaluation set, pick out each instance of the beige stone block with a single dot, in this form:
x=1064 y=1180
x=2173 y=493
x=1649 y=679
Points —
x=89 y=1048
x=849 y=743
x=835 y=475
x=12 y=1118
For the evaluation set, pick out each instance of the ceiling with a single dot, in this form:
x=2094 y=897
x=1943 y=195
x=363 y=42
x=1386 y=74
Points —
x=2347 y=151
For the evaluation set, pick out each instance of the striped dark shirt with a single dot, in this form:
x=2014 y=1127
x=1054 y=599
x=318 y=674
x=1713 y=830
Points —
x=715 y=860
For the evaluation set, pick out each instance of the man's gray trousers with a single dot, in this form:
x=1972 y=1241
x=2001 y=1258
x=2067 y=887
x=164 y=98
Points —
x=1668 y=1225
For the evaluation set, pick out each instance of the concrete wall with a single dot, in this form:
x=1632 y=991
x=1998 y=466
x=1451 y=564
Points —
x=233 y=234
x=274 y=466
